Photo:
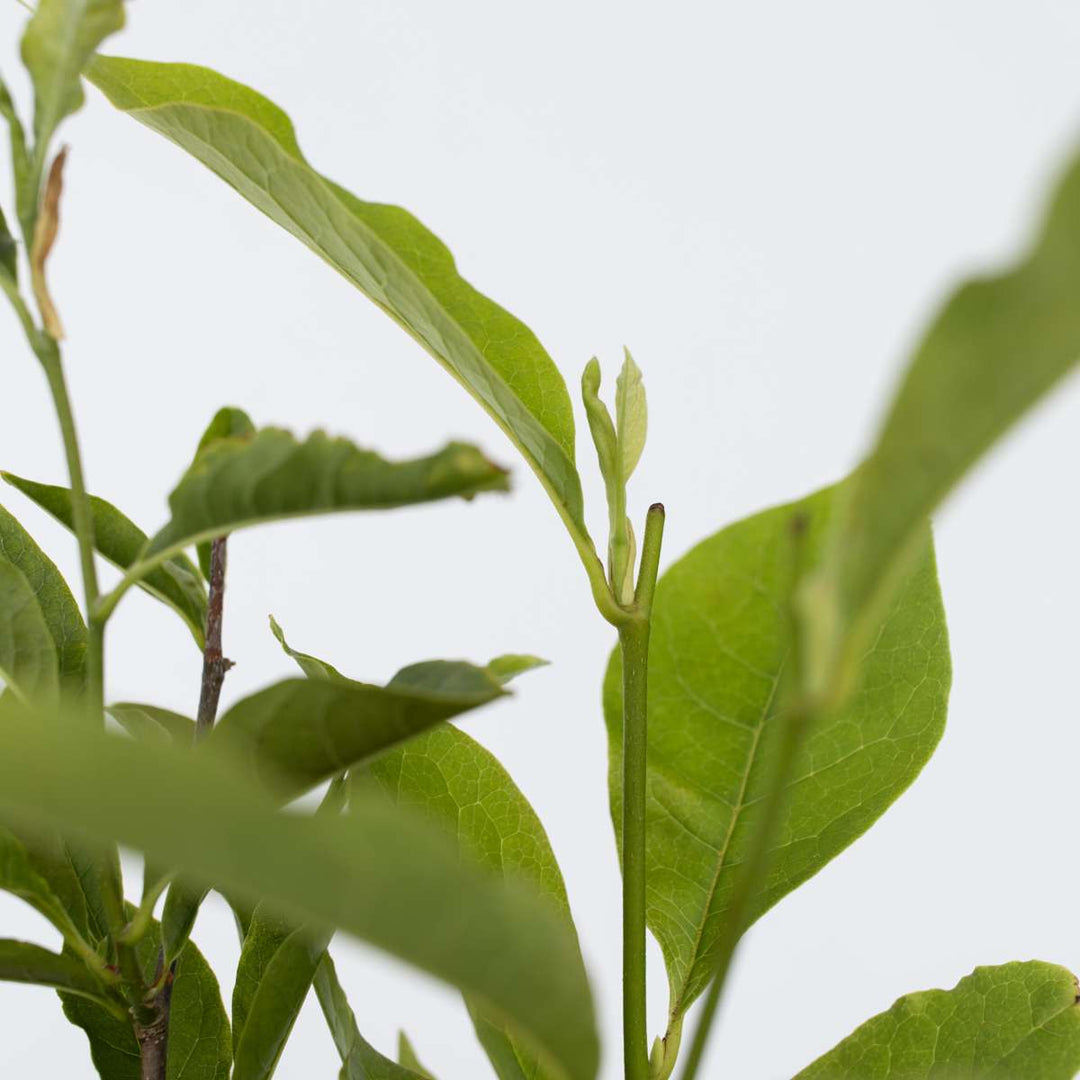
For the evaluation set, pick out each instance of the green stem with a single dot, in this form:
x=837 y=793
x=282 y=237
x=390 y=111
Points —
x=634 y=643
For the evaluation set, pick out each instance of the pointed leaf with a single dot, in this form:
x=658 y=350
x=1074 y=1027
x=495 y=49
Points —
x=998 y=345
x=175 y=583
x=58 y=606
x=23 y=962
x=407 y=1056
x=239 y=482
x=27 y=654
x=60 y=39
x=20 y=877
x=378 y=872
x=717 y=655
x=631 y=415
x=999 y=1023
x=382 y=250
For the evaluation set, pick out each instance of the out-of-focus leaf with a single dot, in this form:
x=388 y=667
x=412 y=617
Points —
x=23 y=962
x=27 y=654
x=382 y=250
x=182 y=903
x=175 y=583
x=228 y=423
x=20 y=877
x=997 y=346
x=717 y=655
x=20 y=166
x=407 y=1056
x=60 y=39
x=58 y=606
x=379 y=872
x=238 y=482
x=151 y=722
x=277 y=966
x=999 y=1023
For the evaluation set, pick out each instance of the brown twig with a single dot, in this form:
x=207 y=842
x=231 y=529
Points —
x=214 y=663
x=153 y=1037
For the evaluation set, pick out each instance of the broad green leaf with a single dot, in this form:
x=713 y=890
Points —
x=452 y=778
x=151 y=722
x=382 y=250
x=199 y=1046
x=28 y=662
x=60 y=39
x=23 y=962
x=997 y=346
x=238 y=482
x=361 y=1061
x=58 y=606
x=999 y=1023
x=717 y=654
x=175 y=583
x=631 y=415
x=407 y=1056
x=227 y=423
x=277 y=966
x=297 y=733
x=20 y=876
x=379 y=872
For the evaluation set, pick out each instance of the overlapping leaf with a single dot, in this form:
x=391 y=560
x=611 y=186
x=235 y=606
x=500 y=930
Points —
x=22 y=961
x=382 y=250
x=999 y=1023
x=717 y=660
x=380 y=873
x=175 y=583
x=28 y=664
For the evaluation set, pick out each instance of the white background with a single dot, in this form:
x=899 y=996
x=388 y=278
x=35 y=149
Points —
x=765 y=201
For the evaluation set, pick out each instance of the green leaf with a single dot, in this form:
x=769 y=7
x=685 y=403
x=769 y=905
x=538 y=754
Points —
x=717 y=654
x=277 y=966
x=23 y=962
x=178 y=916
x=379 y=872
x=28 y=662
x=631 y=415
x=407 y=1056
x=297 y=733
x=382 y=250
x=199 y=1046
x=20 y=877
x=60 y=39
x=361 y=1060
x=228 y=423
x=175 y=583
x=461 y=785
x=998 y=345
x=239 y=482
x=20 y=163
x=151 y=722
x=58 y=606
x=999 y=1023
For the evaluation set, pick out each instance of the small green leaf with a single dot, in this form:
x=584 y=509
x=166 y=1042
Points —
x=151 y=722
x=999 y=1023
x=60 y=39
x=717 y=654
x=182 y=903
x=235 y=483
x=382 y=250
x=27 y=654
x=604 y=436
x=378 y=872
x=58 y=606
x=175 y=583
x=228 y=423
x=996 y=348
x=631 y=415
x=407 y=1057
x=23 y=962
x=277 y=966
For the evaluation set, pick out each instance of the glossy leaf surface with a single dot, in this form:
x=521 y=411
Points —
x=175 y=583
x=379 y=872
x=717 y=655
x=382 y=250
x=999 y=1023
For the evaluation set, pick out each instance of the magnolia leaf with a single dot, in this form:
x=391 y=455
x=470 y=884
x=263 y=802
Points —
x=23 y=962
x=58 y=607
x=996 y=348
x=151 y=722
x=238 y=482
x=999 y=1023
x=407 y=1056
x=28 y=662
x=379 y=872
x=631 y=415
x=20 y=876
x=277 y=965
x=175 y=583
x=60 y=39
x=382 y=250
x=718 y=648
